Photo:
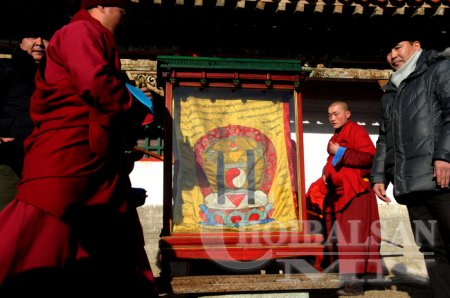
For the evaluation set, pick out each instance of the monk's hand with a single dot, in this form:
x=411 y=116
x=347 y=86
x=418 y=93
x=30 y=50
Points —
x=147 y=91
x=380 y=191
x=442 y=173
x=333 y=147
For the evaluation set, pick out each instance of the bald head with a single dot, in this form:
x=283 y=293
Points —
x=342 y=104
x=338 y=114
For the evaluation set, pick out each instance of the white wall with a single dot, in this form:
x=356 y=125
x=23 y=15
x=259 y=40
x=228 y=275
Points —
x=149 y=175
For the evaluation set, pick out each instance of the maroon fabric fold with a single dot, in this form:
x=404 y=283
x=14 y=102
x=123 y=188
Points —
x=346 y=181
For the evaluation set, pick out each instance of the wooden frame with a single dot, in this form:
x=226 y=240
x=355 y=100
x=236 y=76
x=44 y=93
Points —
x=209 y=83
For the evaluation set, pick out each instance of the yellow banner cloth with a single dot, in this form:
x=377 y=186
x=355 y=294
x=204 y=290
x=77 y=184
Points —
x=232 y=170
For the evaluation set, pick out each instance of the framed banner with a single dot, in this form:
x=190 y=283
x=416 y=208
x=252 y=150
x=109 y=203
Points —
x=234 y=132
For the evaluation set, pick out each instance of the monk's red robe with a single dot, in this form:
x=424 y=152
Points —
x=73 y=209
x=350 y=206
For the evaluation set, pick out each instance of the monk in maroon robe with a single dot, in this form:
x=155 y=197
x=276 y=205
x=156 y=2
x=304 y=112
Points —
x=350 y=206
x=73 y=227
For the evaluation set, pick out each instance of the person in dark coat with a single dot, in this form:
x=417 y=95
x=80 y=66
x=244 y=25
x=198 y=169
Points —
x=16 y=87
x=413 y=150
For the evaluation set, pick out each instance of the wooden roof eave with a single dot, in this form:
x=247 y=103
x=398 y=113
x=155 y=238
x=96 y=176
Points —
x=136 y=68
x=350 y=73
x=379 y=7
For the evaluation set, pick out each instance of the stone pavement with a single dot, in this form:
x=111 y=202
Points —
x=271 y=286
x=405 y=274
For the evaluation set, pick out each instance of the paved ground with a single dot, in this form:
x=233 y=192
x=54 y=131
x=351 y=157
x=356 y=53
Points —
x=399 y=287
x=404 y=263
x=393 y=287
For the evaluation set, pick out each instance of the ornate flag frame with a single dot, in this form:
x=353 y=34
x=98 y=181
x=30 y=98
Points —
x=234 y=186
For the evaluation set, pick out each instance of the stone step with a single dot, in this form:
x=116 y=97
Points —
x=262 y=295
x=253 y=283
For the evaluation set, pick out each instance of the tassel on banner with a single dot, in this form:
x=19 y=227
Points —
x=198 y=3
x=220 y=3
x=179 y=2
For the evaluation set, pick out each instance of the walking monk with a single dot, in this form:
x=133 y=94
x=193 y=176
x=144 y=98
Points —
x=350 y=205
x=73 y=229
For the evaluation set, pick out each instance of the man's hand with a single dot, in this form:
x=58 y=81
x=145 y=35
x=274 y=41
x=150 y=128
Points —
x=333 y=147
x=442 y=173
x=380 y=191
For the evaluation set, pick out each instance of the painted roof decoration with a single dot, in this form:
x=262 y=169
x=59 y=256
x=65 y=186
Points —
x=375 y=7
x=333 y=33
x=186 y=62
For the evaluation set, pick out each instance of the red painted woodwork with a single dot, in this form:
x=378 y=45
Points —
x=237 y=246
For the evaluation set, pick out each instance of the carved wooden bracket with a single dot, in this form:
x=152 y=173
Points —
x=143 y=73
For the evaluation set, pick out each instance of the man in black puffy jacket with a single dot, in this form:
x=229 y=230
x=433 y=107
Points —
x=16 y=87
x=413 y=150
